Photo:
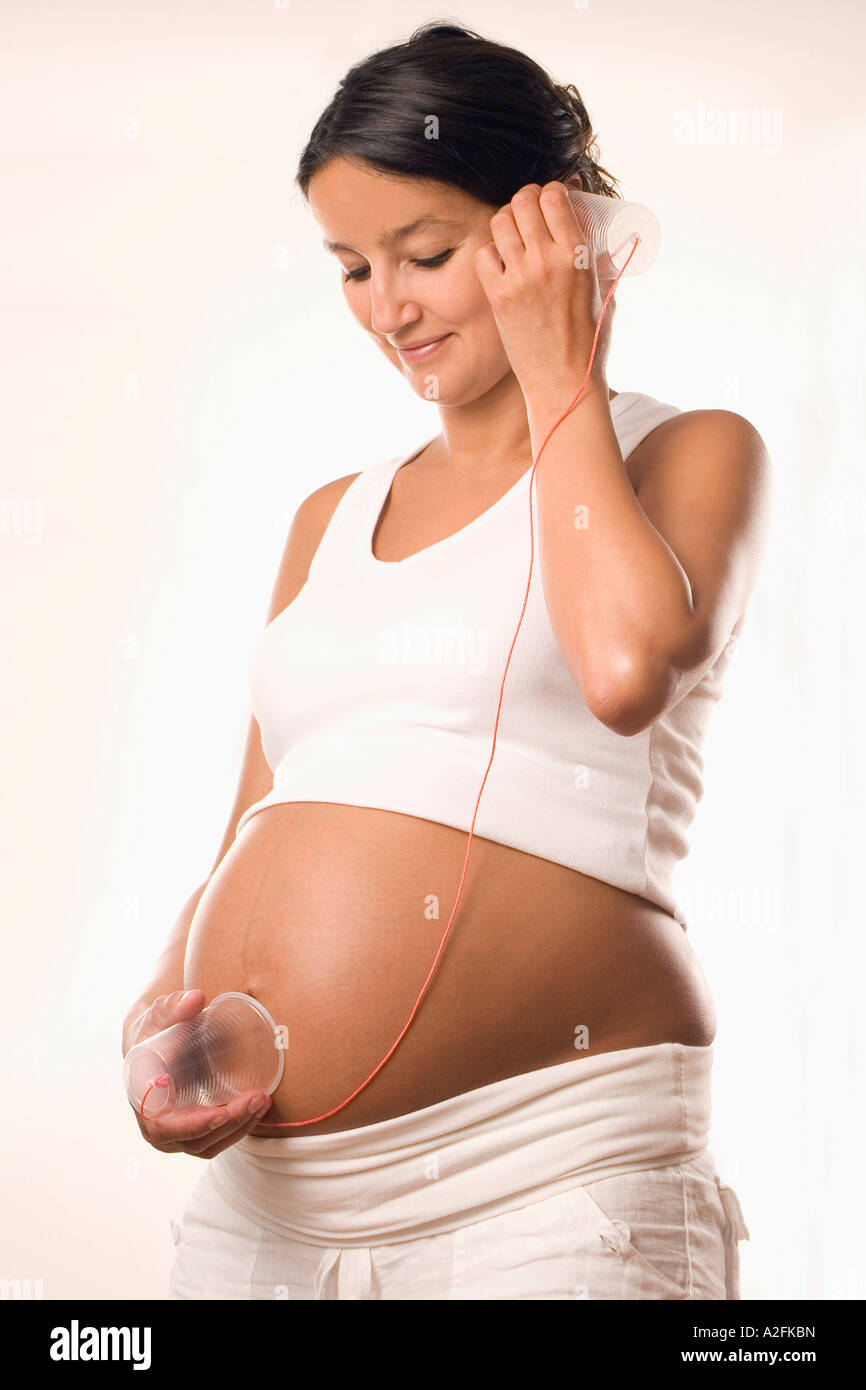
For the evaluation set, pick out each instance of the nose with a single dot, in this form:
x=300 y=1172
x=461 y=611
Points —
x=390 y=309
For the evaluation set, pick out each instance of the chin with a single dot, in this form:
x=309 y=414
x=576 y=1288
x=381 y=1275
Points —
x=447 y=396
x=453 y=388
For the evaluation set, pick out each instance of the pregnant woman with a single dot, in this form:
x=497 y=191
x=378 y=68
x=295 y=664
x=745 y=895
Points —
x=541 y=1128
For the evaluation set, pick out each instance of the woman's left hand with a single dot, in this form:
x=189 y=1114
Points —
x=546 y=298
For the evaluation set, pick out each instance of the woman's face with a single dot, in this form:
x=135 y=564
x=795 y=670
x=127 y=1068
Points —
x=407 y=284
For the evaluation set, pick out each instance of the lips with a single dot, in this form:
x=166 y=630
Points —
x=423 y=350
x=427 y=342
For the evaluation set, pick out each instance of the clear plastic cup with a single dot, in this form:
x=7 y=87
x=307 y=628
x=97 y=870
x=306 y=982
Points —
x=232 y=1046
x=610 y=226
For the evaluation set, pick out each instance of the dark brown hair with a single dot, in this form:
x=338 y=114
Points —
x=502 y=121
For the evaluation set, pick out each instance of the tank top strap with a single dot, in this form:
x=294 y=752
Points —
x=637 y=416
x=353 y=520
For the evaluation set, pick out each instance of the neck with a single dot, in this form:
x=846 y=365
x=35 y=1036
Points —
x=494 y=429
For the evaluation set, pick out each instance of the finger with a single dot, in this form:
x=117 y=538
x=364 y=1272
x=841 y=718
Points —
x=509 y=243
x=141 y=1125
x=242 y=1113
x=192 y=1122
x=489 y=267
x=529 y=217
x=559 y=215
x=564 y=219
x=161 y=1013
x=167 y=1009
x=232 y=1137
x=148 y=1135
x=190 y=1002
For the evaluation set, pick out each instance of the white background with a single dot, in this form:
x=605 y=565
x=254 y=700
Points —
x=180 y=371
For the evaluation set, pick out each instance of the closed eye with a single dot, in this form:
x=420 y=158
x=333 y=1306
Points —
x=428 y=263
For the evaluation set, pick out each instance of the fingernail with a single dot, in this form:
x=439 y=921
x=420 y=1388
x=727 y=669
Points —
x=256 y=1104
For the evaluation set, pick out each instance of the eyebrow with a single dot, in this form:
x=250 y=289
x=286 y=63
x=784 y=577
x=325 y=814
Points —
x=388 y=238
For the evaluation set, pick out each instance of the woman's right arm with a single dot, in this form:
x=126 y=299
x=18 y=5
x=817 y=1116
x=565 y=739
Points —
x=160 y=1004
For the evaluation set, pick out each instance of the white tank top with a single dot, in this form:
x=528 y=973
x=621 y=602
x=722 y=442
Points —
x=378 y=686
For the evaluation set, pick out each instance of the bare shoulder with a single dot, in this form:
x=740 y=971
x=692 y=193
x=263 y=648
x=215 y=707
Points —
x=703 y=429
x=702 y=436
x=309 y=525
x=321 y=504
x=711 y=424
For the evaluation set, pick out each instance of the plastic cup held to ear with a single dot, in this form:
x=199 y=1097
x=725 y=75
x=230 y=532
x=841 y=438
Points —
x=610 y=226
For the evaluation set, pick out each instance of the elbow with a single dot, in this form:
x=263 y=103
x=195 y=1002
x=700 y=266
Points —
x=635 y=690
x=625 y=717
x=626 y=700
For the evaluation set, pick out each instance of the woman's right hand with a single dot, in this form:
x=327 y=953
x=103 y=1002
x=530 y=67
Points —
x=203 y=1131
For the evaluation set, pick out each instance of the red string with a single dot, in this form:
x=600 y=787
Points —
x=157 y=1081
x=285 y=1124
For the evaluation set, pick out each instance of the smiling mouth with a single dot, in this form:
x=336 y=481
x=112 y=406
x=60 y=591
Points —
x=415 y=354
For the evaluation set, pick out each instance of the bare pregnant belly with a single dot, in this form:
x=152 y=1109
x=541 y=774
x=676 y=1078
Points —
x=331 y=916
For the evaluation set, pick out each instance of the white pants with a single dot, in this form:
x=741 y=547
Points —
x=591 y=1179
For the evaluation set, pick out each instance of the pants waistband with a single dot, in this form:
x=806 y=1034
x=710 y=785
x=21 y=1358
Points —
x=476 y=1155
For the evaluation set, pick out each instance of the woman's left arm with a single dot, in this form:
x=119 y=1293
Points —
x=644 y=588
